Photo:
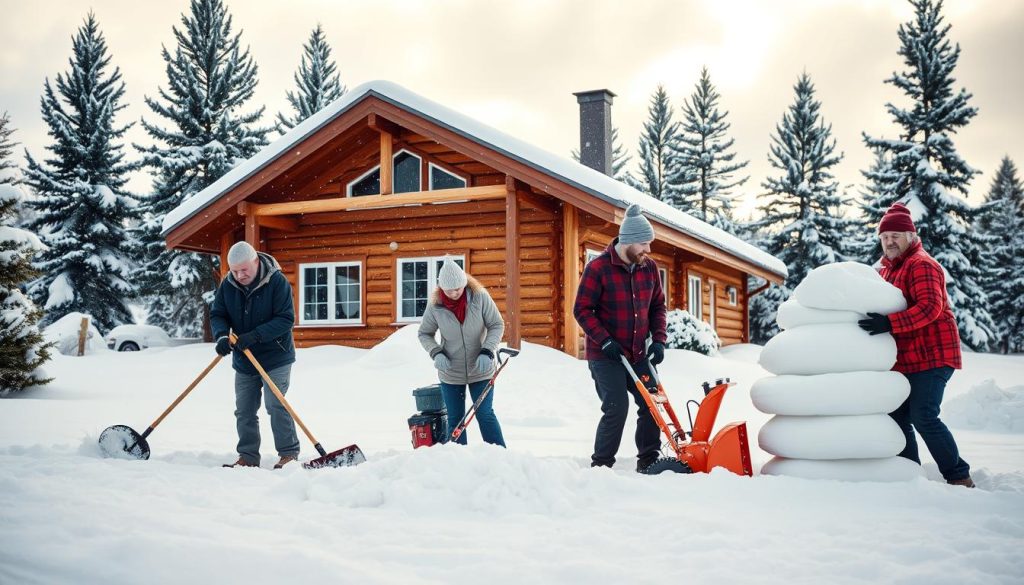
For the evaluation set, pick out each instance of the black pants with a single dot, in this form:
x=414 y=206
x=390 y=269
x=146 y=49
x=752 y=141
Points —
x=613 y=384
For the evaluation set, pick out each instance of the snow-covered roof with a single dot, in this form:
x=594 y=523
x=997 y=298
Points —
x=585 y=178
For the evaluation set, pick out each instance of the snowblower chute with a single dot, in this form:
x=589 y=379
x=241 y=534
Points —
x=729 y=448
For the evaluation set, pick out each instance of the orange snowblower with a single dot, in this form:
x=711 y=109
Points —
x=729 y=447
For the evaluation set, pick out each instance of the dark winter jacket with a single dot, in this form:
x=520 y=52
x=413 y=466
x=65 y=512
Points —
x=926 y=333
x=264 y=307
x=462 y=342
x=622 y=302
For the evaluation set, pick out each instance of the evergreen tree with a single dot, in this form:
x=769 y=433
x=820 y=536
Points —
x=657 y=145
x=701 y=179
x=317 y=81
x=802 y=218
x=925 y=171
x=209 y=80
x=1003 y=269
x=22 y=350
x=81 y=202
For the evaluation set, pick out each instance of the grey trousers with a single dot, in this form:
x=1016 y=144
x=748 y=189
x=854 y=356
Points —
x=247 y=404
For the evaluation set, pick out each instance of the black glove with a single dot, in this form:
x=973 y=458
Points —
x=223 y=346
x=656 y=353
x=247 y=340
x=875 y=324
x=612 y=349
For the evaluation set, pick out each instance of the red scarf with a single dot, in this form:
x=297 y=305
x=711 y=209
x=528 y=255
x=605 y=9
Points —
x=457 y=307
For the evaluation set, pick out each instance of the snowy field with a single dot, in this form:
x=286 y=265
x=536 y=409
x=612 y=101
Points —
x=535 y=513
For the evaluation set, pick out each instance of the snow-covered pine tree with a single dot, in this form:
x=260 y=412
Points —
x=22 y=349
x=802 y=222
x=81 y=202
x=620 y=160
x=317 y=82
x=657 y=145
x=926 y=172
x=209 y=80
x=701 y=179
x=1002 y=219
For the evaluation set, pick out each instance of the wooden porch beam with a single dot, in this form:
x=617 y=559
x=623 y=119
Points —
x=227 y=240
x=570 y=277
x=512 y=261
x=252 y=227
x=379 y=201
x=278 y=222
x=383 y=125
x=387 y=170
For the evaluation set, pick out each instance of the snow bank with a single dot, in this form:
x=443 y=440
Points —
x=987 y=407
x=64 y=333
x=828 y=348
x=832 y=437
x=792 y=314
x=849 y=286
x=830 y=394
x=884 y=469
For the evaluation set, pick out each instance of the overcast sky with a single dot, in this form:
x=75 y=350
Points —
x=515 y=65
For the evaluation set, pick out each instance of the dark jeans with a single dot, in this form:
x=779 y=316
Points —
x=613 y=384
x=921 y=412
x=454 y=396
x=248 y=391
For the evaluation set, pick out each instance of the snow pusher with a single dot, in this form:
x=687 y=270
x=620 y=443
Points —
x=693 y=451
x=344 y=457
x=125 y=442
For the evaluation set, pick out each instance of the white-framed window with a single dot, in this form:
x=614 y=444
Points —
x=663 y=273
x=695 y=297
x=417 y=278
x=442 y=179
x=731 y=291
x=589 y=255
x=331 y=293
x=405 y=176
x=711 y=303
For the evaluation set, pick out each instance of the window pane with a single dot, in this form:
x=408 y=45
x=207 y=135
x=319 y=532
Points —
x=442 y=179
x=368 y=185
x=414 y=288
x=314 y=293
x=407 y=173
x=346 y=292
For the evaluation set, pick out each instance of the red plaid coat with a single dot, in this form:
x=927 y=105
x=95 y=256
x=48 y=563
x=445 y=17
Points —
x=926 y=333
x=626 y=306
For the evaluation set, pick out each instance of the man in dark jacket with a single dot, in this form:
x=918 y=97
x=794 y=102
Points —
x=927 y=341
x=255 y=301
x=619 y=303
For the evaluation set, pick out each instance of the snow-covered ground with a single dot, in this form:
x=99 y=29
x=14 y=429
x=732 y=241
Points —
x=535 y=513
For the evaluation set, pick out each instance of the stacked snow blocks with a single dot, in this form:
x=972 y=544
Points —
x=833 y=387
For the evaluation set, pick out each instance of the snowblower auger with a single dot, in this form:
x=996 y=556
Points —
x=729 y=447
x=344 y=457
x=123 y=441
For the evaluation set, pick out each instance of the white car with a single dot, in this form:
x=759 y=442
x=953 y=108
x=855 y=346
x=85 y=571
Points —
x=139 y=337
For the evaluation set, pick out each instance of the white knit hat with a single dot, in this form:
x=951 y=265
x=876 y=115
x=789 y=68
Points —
x=450 y=277
x=635 y=228
x=241 y=252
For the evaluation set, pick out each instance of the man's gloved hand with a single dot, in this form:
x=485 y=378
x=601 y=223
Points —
x=875 y=324
x=441 y=361
x=483 y=361
x=656 y=353
x=612 y=350
x=223 y=346
x=247 y=340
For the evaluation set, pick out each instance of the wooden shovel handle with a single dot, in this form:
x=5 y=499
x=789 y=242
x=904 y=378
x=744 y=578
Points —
x=182 y=396
x=277 y=392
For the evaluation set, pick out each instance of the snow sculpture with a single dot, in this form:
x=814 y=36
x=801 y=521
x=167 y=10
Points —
x=833 y=388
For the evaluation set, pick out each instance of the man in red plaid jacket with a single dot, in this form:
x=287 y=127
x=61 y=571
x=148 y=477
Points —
x=927 y=341
x=620 y=302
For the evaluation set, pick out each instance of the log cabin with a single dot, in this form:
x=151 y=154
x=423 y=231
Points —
x=360 y=202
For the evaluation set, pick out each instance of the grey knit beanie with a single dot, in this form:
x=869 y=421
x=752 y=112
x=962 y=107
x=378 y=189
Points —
x=635 y=228
x=241 y=252
x=450 y=277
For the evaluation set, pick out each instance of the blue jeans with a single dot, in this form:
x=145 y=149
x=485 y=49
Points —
x=921 y=412
x=247 y=404
x=454 y=396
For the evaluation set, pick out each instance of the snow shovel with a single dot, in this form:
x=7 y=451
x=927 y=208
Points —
x=461 y=427
x=344 y=457
x=122 y=440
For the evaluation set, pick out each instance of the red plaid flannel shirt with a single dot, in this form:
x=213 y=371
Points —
x=926 y=333
x=613 y=301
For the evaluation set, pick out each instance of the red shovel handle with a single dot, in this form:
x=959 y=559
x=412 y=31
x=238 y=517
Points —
x=468 y=418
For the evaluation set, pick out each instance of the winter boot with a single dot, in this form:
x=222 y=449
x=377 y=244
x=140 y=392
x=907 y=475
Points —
x=642 y=463
x=966 y=482
x=285 y=460
x=241 y=463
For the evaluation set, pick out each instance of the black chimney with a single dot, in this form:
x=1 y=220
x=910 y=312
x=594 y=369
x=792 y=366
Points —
x=596 y=129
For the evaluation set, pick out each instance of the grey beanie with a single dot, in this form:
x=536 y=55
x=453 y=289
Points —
x=241 y=252
x=451 y=277
x=635 y=228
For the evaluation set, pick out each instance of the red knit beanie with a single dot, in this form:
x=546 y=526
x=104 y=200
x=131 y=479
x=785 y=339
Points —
x=897 y=219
